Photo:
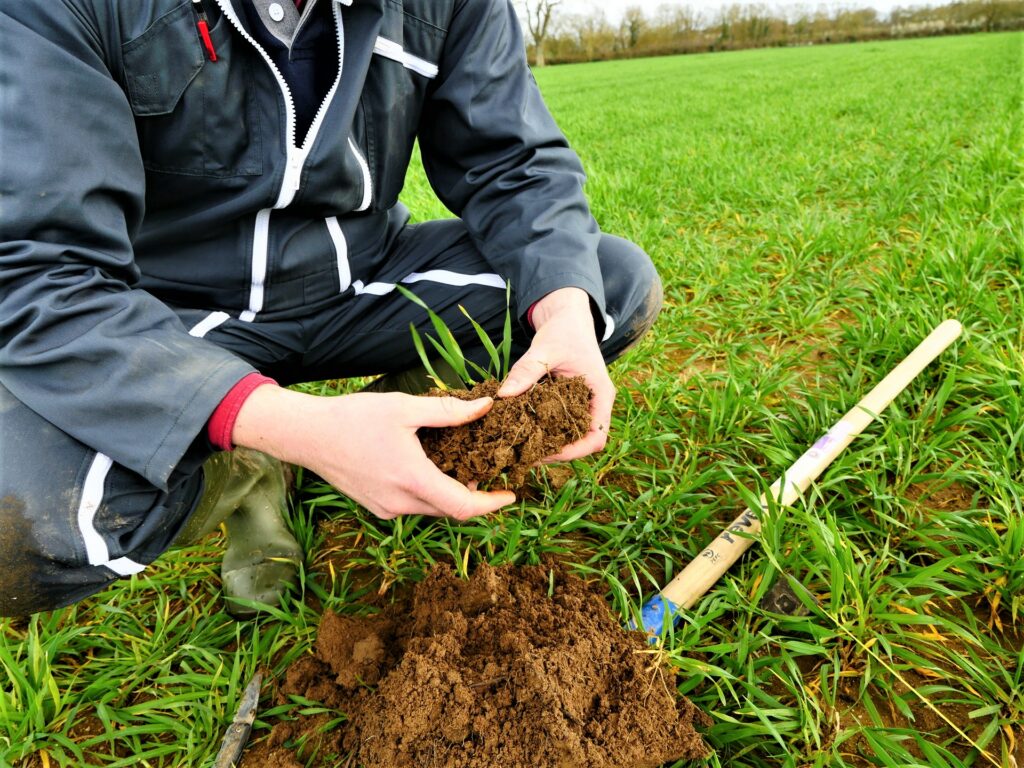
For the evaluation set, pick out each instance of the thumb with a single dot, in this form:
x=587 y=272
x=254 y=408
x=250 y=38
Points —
x=449 y=411
x=523 y=375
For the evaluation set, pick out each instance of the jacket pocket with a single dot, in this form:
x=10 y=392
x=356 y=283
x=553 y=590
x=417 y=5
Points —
x=193 y=116
x=406 y=55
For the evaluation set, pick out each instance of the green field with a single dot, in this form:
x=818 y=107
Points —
x=814 y=212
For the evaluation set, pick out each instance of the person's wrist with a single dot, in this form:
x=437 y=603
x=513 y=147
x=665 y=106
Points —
x=569 y=299
x=271 y=420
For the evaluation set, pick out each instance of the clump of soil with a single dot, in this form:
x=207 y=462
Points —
x=487 y=672
x=514 y=435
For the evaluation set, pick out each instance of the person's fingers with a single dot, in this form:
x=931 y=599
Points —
x=445 y=496
x=601 y=403
x=483 y=503
x=447 y=411
x=596 y=437
x=524 y=374
x=457 y=504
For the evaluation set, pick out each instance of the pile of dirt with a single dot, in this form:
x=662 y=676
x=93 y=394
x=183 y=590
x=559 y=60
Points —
x=517 y=667
x=514 y=435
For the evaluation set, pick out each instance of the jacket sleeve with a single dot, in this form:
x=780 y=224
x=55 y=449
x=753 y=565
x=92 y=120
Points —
x=495 y=158
x=101 y=360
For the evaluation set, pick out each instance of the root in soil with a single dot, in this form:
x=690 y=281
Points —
x=485 y=672
x=514 y=435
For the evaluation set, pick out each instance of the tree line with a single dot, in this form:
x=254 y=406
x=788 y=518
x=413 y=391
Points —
x=556 y=37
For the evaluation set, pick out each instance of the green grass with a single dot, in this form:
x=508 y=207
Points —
x=814 y=212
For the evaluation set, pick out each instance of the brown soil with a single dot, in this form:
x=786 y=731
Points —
x=940 y=497
x=514 y=667
x=514 y=435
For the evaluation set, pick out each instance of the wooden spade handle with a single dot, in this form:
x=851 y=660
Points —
x=698 y=577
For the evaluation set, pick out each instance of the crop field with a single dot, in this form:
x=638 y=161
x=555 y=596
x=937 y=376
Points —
x=814 y=213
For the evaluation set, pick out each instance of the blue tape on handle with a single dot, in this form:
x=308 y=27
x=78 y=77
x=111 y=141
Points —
x=653 y=616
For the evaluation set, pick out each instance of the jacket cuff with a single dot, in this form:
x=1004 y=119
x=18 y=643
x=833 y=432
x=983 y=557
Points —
x=222 y=421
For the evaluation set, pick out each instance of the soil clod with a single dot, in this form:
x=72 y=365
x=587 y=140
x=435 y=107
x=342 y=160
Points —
x=514 y=435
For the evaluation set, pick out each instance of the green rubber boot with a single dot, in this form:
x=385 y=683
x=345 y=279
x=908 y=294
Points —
x=246 y=491
x=416 y=381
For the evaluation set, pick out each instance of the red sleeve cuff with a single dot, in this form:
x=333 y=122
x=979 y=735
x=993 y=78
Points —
x=529 y=314
x=222 y=422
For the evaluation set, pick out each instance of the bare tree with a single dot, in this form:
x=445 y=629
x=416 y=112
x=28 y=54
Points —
x=633 y=25
x=538 y=21
x=994 y=14
x=678 y=20
x=591 y=34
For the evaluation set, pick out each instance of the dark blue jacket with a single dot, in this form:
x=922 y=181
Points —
x=142 y=183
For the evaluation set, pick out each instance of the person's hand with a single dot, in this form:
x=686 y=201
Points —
x=365 y=445
x=566 y=345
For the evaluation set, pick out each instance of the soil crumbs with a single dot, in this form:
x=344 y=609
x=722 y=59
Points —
x=514 y=435
x=484 y=672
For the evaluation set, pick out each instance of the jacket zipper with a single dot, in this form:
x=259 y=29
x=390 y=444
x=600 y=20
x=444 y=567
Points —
x=295 y=155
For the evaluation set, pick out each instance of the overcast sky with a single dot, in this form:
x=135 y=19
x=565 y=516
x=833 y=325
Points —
x=613 y=8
